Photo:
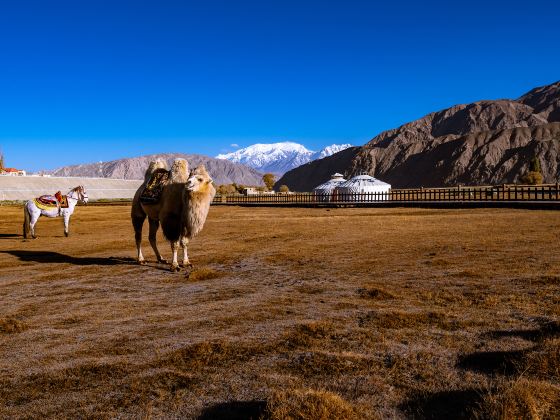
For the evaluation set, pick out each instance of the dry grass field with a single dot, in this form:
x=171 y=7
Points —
x=288 y=314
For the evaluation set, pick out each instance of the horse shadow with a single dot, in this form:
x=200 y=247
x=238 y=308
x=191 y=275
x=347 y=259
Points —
x=56 y=257
x=9 y=235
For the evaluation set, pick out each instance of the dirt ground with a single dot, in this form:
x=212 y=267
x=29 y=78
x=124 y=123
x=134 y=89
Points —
x=288 y=313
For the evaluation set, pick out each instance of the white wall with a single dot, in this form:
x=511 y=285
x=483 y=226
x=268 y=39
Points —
x=27 y=187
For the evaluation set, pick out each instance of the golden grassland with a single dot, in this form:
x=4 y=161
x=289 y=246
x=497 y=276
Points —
x=288 y=314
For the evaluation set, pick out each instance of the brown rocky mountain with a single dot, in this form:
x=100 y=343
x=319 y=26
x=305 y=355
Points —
x=222 y=171
x=486 y=142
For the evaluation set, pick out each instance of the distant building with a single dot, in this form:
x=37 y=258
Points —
x=12 y=172
x=250 y=191
x=255 y=191
x=325 y=191
x=363 y=188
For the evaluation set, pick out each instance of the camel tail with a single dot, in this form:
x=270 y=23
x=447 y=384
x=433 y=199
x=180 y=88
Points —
x=26 y=221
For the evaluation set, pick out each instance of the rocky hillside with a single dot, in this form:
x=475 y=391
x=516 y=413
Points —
x=486 y=142
x=222 y=171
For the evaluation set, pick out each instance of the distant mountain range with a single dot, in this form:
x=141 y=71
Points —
x=486 y=142
x=222 y=171
x=278 y=158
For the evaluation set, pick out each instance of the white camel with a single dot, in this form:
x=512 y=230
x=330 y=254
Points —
x=32 y=212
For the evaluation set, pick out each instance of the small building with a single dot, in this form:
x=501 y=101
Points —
x=12 y=172
x=250 y=191
x=324 y=191
x=362 y=187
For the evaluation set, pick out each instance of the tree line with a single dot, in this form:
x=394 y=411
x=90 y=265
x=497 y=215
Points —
x=268 y=180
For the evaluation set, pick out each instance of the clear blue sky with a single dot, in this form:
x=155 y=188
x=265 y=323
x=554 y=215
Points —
x=86 y=80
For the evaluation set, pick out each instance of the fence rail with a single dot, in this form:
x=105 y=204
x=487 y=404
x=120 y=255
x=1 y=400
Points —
x=502 y=193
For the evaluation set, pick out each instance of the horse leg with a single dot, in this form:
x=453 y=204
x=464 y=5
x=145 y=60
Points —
x=154 y=226
x=32 y=222
x=25 y=221
x=174 y=263
x=66 y=222
x=137 y=222
x=186 y=263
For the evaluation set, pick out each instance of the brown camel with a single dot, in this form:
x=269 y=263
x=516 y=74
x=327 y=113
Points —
x=181 y=209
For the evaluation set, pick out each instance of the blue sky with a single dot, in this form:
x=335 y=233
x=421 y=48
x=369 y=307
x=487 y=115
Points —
x=84 y=81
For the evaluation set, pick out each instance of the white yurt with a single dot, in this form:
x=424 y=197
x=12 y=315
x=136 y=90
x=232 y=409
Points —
x=325 y=190
x=363 y=188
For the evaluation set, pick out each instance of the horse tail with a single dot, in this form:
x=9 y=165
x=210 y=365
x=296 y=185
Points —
x=26 y=221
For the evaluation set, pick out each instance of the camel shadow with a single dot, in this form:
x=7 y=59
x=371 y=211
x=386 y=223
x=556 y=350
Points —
x=508 y=362
x=547 y=329
x=451 y=405
x=236 y=410
x=55 y=257
x=493 y=362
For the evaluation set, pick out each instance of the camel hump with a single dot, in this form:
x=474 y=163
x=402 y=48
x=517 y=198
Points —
x=153 y=166
x=179 y=171
x=200 y=170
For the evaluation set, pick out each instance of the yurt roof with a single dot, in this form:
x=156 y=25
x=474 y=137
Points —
x=335 y=180
x=363 y=181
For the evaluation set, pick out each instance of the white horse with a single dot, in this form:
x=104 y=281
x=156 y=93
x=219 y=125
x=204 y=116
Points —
x=32 y=212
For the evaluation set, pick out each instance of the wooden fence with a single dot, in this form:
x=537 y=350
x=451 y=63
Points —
x=502 y=193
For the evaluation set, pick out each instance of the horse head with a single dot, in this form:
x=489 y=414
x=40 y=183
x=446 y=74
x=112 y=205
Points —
x=81 y=194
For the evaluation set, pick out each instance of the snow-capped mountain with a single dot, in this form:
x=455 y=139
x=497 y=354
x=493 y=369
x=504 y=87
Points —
x=279 y=158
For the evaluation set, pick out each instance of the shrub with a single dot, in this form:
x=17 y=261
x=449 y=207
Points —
x=521 y=399
x=308 y=405
x=534 y=175
x=532 y=178
x=269 y=180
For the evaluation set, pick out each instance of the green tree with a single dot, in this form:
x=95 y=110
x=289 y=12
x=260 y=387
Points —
x=269 y=181
x=1 y=161
x=284 y=189
x=535 y=165
x=534 y=176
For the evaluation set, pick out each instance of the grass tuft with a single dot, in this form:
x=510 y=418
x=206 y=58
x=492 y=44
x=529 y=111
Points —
x=521 y=399
x=308 y=405
x=375 y=293
x=203 y=273
x=9 y=325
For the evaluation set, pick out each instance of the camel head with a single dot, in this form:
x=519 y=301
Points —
x=199 y=180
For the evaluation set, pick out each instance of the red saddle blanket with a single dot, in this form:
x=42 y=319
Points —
x=55 y=200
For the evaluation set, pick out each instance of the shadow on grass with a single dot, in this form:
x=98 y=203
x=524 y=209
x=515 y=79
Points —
x=492 y=362
x=548 y=329
x=236 y=410
x=55 y=257
x=450 y=405
x=10 y=235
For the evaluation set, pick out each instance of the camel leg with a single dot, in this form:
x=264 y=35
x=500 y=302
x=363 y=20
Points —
x=174 y=249
x=186 y=263
x=137 y=222
x=66 y=222
x=154 y=226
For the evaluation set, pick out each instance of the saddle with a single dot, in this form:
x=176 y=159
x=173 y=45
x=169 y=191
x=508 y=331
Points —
x=50 y=202
x=154 y=187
